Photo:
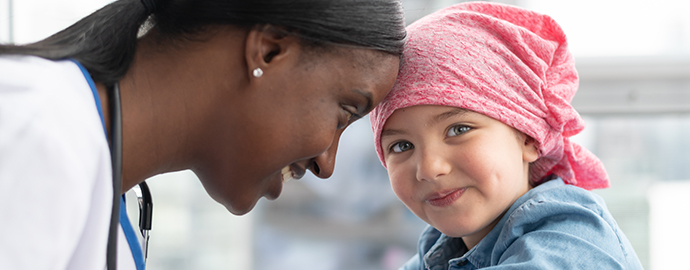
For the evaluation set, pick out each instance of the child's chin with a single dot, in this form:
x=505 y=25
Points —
x=453 y=231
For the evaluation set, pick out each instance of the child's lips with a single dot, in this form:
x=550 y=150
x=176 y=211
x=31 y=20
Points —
x=444 y=198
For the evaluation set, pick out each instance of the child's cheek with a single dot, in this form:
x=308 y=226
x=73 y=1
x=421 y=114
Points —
x=402 y=187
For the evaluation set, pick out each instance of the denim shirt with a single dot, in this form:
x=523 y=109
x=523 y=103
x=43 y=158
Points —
x=552 y=226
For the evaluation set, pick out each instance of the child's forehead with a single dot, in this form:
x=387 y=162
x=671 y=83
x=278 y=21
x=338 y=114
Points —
x=431 y=115
x=427 y=115
x=422 y=118
x=430 y=107
x=435 y=112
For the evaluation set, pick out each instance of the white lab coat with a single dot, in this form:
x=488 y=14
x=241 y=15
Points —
x=55 y=170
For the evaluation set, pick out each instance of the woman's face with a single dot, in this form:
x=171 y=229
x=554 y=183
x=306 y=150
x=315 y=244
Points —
x=291 y=120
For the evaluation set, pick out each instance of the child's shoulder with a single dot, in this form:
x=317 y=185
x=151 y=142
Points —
x=556 y=206
x=556 y=217
x=555 y=195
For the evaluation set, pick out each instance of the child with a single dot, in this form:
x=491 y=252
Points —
x=475 y=139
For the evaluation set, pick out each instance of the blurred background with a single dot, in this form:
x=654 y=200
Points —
x=633 y=57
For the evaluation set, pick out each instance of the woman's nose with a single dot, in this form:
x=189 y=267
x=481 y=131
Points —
x=323 y=165
x=432 y=165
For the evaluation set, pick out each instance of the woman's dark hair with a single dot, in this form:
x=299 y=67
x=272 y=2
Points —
x=105 y=41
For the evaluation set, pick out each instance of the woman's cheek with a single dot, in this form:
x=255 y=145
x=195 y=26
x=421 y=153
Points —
x=321 y=136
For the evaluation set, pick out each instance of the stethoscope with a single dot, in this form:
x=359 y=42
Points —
x=142 y=190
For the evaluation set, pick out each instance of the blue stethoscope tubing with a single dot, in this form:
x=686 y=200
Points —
x=143 y=194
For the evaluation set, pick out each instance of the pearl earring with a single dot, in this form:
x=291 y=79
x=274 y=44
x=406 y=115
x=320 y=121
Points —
x=257 y=72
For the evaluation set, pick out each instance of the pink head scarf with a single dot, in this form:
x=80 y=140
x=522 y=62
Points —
x=505 y=62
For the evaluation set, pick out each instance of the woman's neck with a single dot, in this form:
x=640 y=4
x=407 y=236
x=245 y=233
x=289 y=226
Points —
x=166 y=98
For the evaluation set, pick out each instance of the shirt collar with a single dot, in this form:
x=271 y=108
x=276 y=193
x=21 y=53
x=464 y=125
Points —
x=447 y=249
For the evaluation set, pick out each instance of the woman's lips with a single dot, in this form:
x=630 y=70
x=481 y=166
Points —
x=444 y=198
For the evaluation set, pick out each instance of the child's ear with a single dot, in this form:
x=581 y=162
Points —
x=529 y=149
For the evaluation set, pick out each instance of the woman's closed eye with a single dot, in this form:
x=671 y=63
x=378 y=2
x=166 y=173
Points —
x=401 y=146
x=457 y=130
x=349 y=115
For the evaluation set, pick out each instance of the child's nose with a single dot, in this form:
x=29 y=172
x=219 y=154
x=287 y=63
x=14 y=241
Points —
x=432 y=165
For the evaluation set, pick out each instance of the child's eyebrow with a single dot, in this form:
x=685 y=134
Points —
x=448 y=114
x=391 y=132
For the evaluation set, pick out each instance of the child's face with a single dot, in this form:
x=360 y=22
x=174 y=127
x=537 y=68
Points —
x=456 y=169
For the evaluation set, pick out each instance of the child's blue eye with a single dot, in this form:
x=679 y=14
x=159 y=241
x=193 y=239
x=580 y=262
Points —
x=400 y=147
x=457 y=130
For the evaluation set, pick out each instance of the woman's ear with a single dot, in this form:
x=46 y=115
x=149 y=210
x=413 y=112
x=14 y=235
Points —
x=267 y=46
x=530 y=153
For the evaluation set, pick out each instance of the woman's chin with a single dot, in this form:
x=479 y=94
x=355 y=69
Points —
x=274 y=190
x=241 y=197
x=239 y=209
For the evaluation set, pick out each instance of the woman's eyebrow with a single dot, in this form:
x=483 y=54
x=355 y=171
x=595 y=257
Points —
x=443 y=116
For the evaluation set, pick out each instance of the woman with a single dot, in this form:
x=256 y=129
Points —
x=246 y=94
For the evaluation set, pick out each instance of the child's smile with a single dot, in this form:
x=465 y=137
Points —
x=444 y=198
x=456 y=169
